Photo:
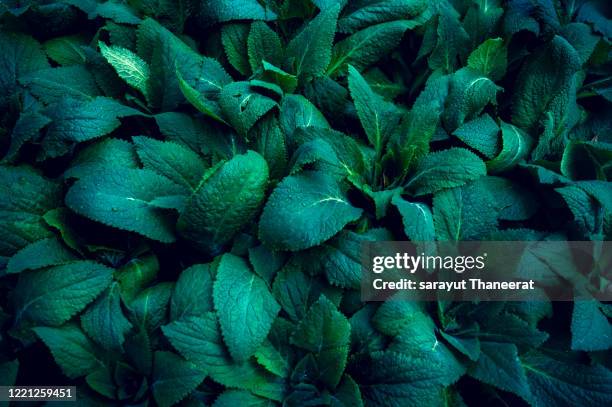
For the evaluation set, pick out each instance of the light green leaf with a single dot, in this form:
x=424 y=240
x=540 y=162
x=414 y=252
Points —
x=129 y=66
x=245 y=307
x=305 y=210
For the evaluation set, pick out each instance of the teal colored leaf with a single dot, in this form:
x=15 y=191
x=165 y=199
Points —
x=545 y=84
x=305 y=210
x=171 y=160
x=192 y=295
x=173 y=378
x=445 y=169
x=516 y=145
x=358 y=15
x=309 y=52
x=242 y=106
x=490 y=58
x=263 y=44
x=378 y=117
x=231 y=398
x=53 y=84
x=367 y=46
x=122 y=198
x=417 y=219
x=149 y=309
x=245 y=307
x=325 y=332
x=75 y=354
x=219 y=11
x=42 y=253
x=53 y=296
x=226 y=201
x=481 y=134
x=500 y=366
x=591 y=330
x=555 y=382
x=104 y=321
x=199 y=340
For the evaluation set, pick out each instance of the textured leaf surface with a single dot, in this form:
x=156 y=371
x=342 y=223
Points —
x=53 y=296
x=245 y=307
x=122 y=199
x=305 y=210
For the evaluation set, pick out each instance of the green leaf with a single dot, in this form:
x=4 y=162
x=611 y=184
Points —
x=469 y=93
x=104 y=321
x=297 y=111
x=192 y=294
x=546 y=83
x=199 y=340
x=591 y=330
x=231 y=398
x=122 y=199
x=445 y=169
x=263 y=44
x=451 y=42
x=234 y=39
x=359 y=15
x=198 y=100
x=500 y=366
x=226 y=201
x=219 y=11
x=76 y=121
x=367 y=46
x=417 y=219
x=173 y=378
x=22 y=55
x=240 y=295
x=395 y=379
x=42 y=253
x=171 y=160
x=129 y=66
x=71 y=349
x=53 y=84
x=325 y=332
x=480 y=134
x=516 y=145
x=309 y=52
x=66 y=50
x=490 y=58
x=378 y=117
x=242 y=106
x=54 y=295
x=150 y=308
x=558 y=383
x=305 y=210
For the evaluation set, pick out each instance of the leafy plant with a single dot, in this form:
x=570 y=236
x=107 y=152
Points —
x=185 y=186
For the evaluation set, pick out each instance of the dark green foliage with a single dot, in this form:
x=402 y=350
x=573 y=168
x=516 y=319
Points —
x=185 y=186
